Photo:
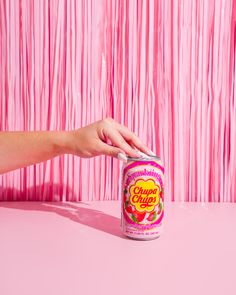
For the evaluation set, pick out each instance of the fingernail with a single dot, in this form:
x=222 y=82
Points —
x=122 y=157
x=151 y=153
x=141 y=154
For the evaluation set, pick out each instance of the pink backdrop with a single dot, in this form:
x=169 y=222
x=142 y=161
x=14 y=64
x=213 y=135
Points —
x=164 y=68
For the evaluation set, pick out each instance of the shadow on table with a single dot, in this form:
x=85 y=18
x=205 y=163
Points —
x=73 y=211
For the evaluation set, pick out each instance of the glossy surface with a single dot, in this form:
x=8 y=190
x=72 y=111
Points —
x=55 y=248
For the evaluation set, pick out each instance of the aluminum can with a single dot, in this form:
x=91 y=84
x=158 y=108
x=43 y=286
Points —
x=142 y=195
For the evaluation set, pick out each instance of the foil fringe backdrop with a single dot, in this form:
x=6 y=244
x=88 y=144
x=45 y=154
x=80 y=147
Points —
x=164 y=68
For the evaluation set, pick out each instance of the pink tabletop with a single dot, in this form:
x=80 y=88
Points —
x=77 y=248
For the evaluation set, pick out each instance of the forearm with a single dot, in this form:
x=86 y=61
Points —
x=104 y=137
x=20 y=149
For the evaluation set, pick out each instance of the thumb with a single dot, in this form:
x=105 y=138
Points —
x=113 y=151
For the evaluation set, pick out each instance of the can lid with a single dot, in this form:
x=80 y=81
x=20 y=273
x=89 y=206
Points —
x=143 y=158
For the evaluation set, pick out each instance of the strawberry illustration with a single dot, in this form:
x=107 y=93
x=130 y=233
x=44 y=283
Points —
x=159 y=208
x=160 y=194
x=152 y=216
x=124 y=197
x=139 y=216
x=129 y=209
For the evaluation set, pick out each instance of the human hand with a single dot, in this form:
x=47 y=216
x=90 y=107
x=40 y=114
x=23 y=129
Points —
x=106 y=137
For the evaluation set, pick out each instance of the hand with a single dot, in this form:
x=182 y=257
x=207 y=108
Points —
x=106 y=137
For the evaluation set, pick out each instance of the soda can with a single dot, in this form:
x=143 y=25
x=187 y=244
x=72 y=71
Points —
x=142 y=195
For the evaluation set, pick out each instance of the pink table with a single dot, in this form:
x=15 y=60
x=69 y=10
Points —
x=69 y=248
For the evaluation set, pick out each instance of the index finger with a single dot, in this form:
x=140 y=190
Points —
x=118 y=141
x=134 y=139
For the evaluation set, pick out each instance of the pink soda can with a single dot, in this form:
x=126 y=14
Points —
x=142 y=195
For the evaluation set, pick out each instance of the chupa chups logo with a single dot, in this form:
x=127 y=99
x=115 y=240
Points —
x=144 y=195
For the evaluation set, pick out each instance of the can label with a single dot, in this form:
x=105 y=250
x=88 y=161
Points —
x=142 y=206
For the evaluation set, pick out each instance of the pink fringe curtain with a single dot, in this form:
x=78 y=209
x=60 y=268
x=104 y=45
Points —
x=164 y=68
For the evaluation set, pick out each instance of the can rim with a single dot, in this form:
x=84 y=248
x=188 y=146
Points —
x=146 y=158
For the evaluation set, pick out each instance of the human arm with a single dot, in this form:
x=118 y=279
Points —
x=20 y=149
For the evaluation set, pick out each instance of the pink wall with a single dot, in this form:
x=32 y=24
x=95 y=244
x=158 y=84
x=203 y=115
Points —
x=164 y=68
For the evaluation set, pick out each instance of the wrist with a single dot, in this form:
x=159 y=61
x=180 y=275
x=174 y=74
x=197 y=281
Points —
x=63 y=142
